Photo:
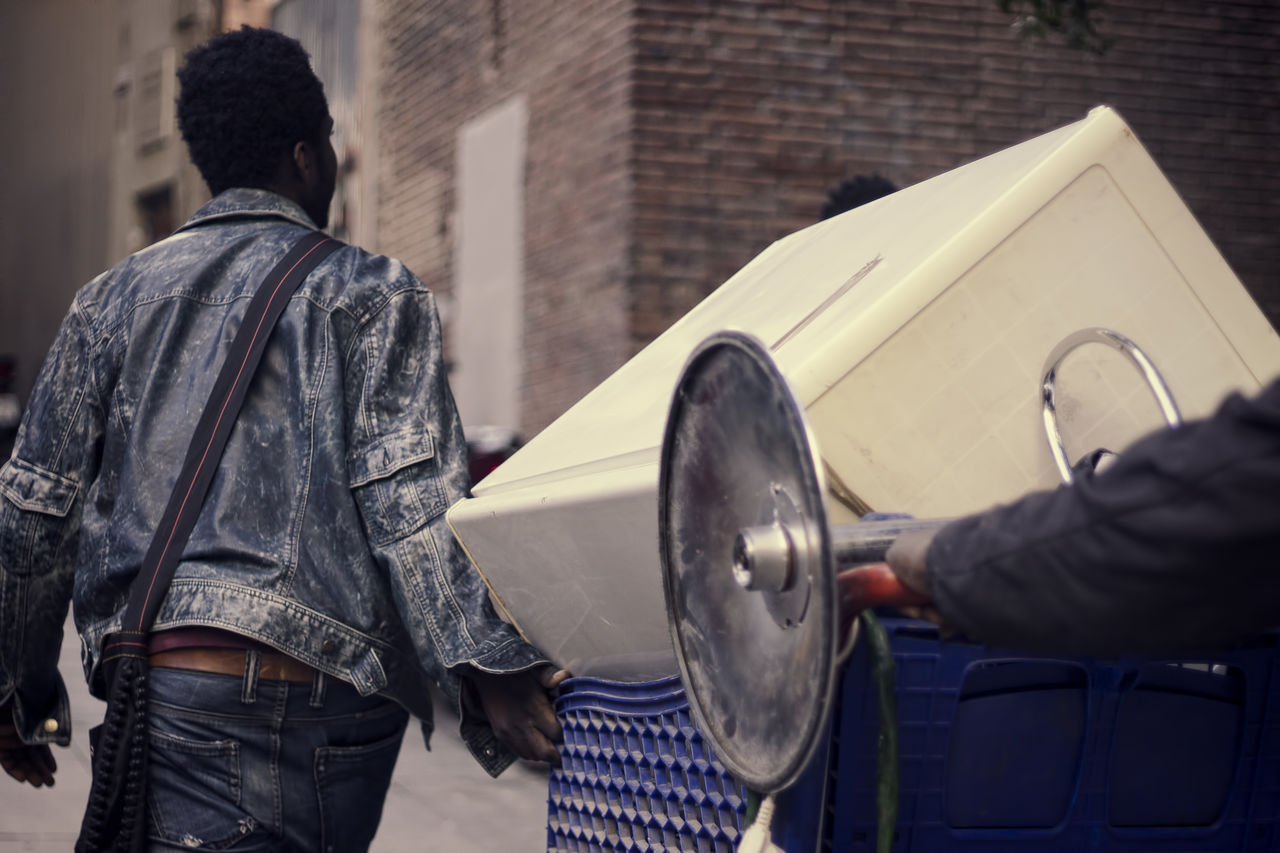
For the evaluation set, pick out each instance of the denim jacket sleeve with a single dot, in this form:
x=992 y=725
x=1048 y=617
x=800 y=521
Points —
x=41 y=499
x=407 y=465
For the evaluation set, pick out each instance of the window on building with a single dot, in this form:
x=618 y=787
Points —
x=155 y=214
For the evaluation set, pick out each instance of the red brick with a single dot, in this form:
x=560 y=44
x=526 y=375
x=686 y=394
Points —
x=670 y=140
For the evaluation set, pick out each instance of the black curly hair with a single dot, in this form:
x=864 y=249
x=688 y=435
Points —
x=247 y=97
x=854 y=192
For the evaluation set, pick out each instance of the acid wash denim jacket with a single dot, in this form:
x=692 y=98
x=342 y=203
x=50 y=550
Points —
x=323 y=534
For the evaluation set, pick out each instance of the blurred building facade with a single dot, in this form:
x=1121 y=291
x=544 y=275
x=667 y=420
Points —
x=98 y=169
x=571 y=176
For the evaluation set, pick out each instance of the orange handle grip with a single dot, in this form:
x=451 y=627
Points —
x=874 y=585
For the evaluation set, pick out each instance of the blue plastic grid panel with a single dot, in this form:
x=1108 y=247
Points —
x=637 y=775
x=1005 y=750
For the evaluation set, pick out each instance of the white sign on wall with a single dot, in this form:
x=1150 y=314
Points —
x=489 y=266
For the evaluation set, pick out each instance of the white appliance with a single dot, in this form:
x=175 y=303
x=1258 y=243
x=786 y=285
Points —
x=914 y=330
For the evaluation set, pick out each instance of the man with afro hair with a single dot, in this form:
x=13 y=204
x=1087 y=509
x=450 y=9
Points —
x=855 y=192
x=320 y=593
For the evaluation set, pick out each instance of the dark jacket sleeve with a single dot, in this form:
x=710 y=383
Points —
x=1175 y=547
x=41 y=503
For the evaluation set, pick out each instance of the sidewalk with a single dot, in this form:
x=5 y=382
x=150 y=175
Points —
x=439 y=800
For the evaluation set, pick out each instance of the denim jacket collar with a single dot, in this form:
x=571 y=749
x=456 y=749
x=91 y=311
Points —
x=248 y=202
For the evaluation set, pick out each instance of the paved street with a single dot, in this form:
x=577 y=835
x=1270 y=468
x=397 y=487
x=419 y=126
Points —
x=440 y=800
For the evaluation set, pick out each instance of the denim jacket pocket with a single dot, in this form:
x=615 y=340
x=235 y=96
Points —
x=32 y=488
x=397 y=484
x=41 y=500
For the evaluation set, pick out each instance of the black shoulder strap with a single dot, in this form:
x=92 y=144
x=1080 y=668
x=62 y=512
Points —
x=213 y=428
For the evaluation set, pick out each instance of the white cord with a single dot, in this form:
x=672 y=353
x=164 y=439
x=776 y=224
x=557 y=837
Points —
x=759 y=836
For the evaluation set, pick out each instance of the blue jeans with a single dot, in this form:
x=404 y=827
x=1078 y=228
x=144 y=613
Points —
x=247 y=764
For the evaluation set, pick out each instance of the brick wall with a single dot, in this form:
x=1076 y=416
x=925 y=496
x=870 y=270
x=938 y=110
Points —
x=444 y=62
x=747 y=113
x=669 y=141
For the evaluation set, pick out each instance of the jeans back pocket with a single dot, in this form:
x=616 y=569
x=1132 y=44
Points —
x=194 y=791
x=352 y=782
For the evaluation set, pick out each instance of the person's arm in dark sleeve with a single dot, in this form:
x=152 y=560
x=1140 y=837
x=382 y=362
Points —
x=1175 y=547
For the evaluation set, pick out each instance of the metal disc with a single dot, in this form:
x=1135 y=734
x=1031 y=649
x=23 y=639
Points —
x=758 y=666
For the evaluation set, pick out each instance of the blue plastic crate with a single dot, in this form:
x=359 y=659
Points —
x=637 y=775
x=1001 y=750
x=997 y=751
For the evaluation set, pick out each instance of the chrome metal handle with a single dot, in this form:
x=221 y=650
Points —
x=1117 y=341
x=765 y=556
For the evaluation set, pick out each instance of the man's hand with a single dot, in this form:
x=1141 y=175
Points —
x=906 y=556
x=519 y=709
x=31 y=764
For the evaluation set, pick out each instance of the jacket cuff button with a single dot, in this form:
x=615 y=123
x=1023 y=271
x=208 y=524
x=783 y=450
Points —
x=51 y=726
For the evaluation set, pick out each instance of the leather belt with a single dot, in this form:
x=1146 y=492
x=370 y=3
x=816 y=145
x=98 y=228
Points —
x=273 y=665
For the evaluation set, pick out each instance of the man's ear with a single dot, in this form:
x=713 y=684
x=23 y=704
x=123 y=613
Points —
x=304 y=161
